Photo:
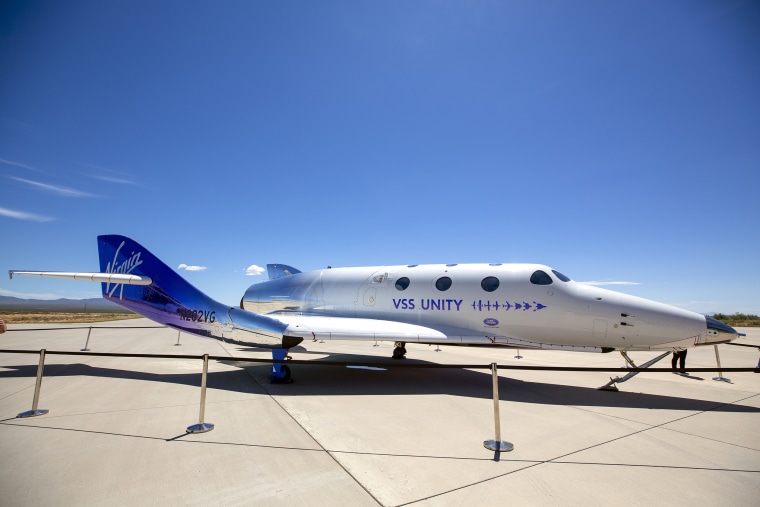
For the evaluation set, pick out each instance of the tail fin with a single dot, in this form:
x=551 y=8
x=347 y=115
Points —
x=165 y=297
x=136 y=279
x=169 y=299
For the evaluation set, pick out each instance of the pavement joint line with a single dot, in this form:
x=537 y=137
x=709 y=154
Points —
x=552 y=462
x=718 y=405
x=163 y=439
x=95 y=432
x=329 y=453
x=557 y=460
x=15 y=423
x=715 y=409
x=104 y=412
x=337 y=462
x=322 y=450
x=667 y=429
x=644 y=465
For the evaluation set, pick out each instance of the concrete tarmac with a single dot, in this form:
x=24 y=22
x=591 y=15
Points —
x=115 y=433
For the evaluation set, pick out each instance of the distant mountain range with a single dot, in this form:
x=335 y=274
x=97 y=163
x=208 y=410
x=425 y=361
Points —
x=94 y=305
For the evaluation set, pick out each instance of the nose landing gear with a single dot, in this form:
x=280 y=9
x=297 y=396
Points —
x=400 y=351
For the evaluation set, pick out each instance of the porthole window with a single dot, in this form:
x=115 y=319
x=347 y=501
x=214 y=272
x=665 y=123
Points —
x=402 y=283
x=443 y=283
x=490 y=283
x=540 y=278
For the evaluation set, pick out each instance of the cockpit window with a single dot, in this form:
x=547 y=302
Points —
x=443 y=283
x=490 y=283
x=561 y=276
x=540 y=278
x=402 y=283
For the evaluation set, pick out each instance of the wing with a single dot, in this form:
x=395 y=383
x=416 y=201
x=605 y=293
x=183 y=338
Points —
x=346 y=328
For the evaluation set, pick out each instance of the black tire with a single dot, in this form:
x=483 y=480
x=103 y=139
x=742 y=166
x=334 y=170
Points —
x=285 y=379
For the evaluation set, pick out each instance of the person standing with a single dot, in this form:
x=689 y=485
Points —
x=679 y=356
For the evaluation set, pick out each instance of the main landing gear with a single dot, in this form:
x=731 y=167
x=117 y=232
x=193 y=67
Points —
x=280 y=373
x=400 y=351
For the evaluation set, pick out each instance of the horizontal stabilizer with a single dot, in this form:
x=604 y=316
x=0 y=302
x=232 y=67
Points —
x=88 y=277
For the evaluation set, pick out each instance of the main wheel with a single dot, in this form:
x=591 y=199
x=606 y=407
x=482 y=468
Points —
x=284 y=379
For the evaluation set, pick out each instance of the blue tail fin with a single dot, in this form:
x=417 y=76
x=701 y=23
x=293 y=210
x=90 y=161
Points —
x=169 y=300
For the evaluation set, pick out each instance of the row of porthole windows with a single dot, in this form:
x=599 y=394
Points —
x=488 y=284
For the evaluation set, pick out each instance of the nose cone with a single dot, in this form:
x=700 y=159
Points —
x=718 y=332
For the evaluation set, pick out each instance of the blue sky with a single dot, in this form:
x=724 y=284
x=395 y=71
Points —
x=614 y=141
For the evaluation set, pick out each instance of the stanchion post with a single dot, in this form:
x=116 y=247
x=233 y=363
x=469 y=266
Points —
x=179 y=334
x=720 y=376
x=202 y=427
x=86 y=343
x=497 y=444
x=34 y=411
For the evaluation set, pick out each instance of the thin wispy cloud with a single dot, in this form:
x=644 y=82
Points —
x=111 y=177
x=610 y=283
x=22 y=215
x=15 y=125
x=18 y=164
x=191 y=268
x=254 y=270
x=65 y=191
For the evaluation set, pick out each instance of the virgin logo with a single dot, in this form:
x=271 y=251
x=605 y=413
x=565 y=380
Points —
x=124 y=268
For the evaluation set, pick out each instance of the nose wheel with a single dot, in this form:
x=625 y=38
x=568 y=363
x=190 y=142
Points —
x=399 y=352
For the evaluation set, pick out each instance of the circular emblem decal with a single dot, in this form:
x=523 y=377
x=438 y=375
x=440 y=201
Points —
x=490 y=322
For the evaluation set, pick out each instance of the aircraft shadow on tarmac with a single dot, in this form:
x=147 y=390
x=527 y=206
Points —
x=320 y=380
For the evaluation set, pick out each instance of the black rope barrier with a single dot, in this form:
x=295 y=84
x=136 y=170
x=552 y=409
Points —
x=374 y=364
x=743 y=345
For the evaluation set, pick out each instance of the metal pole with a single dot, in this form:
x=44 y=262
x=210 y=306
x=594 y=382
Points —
x=202 y=427
x=85 y=349
x=179 y=333
x=720 y=376
x=497 y=444
x=34 y=412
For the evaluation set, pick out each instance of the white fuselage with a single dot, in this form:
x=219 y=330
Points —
x=527 y=305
